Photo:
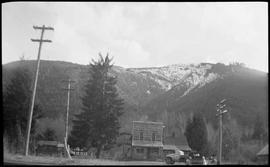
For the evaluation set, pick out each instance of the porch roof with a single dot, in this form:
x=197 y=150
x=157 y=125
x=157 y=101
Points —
x=148 y=122
x=263 y=151
x=146 y=143
x=50 y=143
x=169 y=147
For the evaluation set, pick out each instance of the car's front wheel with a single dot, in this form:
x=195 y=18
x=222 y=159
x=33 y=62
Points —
x=169 y=160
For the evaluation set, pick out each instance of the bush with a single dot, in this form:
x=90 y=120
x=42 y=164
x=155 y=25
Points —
x=118 y=156
x=6 y=145
x=249 y=151
x=234 y=156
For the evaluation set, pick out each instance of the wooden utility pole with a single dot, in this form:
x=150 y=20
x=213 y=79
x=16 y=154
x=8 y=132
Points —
x=220 y=111
x=66 y=122
x=41 y=40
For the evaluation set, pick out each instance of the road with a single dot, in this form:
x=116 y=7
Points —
x=16 y=162
x=86 y=162
x=49 y=160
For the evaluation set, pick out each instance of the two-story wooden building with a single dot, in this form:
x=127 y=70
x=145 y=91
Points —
x=147 y=140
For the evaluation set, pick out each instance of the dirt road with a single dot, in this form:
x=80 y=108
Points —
x=39 y=160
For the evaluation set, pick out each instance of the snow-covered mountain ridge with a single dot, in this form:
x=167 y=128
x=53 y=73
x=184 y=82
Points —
x=178 y=75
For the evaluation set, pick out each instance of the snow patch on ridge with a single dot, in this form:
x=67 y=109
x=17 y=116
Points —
x=169 y=76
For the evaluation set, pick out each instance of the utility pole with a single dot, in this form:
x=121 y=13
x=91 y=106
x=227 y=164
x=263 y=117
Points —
x=41 y=40
x=220 y=111
x=67 y=113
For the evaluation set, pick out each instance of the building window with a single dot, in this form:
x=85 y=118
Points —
x=147 y=138
x=140 y=150
x=154 y=150
x=136 y=136
x=158 y=137
x=153 y=137
x=141 y=135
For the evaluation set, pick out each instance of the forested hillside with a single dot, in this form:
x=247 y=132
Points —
x=170 y=94
x=245 y=91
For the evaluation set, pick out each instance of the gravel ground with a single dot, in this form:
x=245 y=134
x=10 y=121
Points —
x=111 y=162
x=64 y=161
x=34 y=159
x=41 y=160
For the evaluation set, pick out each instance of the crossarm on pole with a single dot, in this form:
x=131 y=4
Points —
x=40 y=40
x=45 y=28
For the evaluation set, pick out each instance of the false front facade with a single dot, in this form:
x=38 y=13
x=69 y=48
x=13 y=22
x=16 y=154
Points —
x=147 y=140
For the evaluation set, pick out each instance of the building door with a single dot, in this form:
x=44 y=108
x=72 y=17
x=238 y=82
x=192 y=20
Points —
x=148 y=152
x=154 y=153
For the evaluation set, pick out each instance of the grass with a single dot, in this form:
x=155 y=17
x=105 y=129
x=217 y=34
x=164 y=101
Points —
x=37 y=159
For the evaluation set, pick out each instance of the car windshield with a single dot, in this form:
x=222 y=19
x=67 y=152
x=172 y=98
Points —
x=169 y=151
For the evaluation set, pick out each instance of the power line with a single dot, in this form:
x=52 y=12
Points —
x=41 y=40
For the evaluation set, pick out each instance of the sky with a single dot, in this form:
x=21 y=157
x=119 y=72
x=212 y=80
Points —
x=139 y=34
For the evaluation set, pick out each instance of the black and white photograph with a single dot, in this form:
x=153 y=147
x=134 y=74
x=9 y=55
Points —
x=135 y=83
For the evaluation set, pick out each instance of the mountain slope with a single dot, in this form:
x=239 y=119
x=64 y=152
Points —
x=169 y=94
x=244 y=89
x=52 y=98
x=131 y=86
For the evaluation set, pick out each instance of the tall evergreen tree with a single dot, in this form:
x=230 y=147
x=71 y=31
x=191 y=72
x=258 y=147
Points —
x=196 y=133
x=258 y=129
x=229 y=142
x=16 y=103
x=98 y=124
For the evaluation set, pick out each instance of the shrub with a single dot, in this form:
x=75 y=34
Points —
x=248 y=151
x=6 y=145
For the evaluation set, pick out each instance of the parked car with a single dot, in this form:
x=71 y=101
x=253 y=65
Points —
x=196 y=159
x=178 y=156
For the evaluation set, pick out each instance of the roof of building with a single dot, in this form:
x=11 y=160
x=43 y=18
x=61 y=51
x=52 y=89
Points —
x=169 y=147
x=179 y=142
x=50 y=143
x=42 y=142
x=263 y=151
x=173 y=147
x=146 y=143
x=148 y=122
x=60 y=145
